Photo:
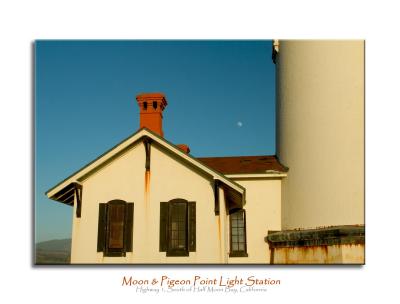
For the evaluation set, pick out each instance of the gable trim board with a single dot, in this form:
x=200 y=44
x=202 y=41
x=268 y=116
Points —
x=273 y=174
x=234 y=192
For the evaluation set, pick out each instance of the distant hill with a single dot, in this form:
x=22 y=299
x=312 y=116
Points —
x=53 y=252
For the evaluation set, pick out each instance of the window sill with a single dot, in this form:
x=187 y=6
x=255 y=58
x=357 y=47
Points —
x=238 y=255
x=178 y=254
x=114 y=254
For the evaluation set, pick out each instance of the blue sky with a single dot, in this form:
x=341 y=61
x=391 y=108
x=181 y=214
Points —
x=221 y=102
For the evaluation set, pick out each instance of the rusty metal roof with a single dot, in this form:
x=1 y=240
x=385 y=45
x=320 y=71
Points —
x=244 y=164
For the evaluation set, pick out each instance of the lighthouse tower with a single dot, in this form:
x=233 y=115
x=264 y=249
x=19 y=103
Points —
x=320 y=134
x=320 y=138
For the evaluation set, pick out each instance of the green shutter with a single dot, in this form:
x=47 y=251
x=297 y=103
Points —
x=192 y=225
x=116 y=222
x=129 y=226
x=163 y=226
x=102 y=225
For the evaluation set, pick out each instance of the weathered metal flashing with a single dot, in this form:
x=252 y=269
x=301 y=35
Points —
x=336 y=235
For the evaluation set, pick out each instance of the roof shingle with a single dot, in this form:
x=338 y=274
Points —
x=244 y=164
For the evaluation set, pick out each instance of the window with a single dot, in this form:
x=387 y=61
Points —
x=237 y=225
x=177 y=227
x=115 y=228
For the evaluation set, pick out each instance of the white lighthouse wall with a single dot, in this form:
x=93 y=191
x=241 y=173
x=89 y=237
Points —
x=320 y=132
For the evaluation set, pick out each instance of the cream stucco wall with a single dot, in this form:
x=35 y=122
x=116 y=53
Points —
x=120 y=179
x=124 y=178
x=320 y=132
x=263 y=214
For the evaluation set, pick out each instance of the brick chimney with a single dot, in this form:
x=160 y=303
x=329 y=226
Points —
x=151 y=107
x=184 y=148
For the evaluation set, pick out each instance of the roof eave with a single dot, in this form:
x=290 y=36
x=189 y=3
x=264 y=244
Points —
x=132 y=140
x=271 y=174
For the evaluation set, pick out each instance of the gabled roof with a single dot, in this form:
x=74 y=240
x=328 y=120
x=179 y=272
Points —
x=63 y=191
x=244 y=164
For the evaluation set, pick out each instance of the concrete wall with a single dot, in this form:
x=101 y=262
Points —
x=335 y=254
x=320 y=132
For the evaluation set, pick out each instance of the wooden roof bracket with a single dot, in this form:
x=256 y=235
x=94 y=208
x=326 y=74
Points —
x=78 y=194
x=234 y=200
x=147 y=146
x=216 y=183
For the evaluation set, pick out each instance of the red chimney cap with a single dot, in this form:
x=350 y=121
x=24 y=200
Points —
x=151 y=96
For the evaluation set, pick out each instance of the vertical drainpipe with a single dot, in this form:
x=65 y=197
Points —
x=217 y=213
x=222 y=216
